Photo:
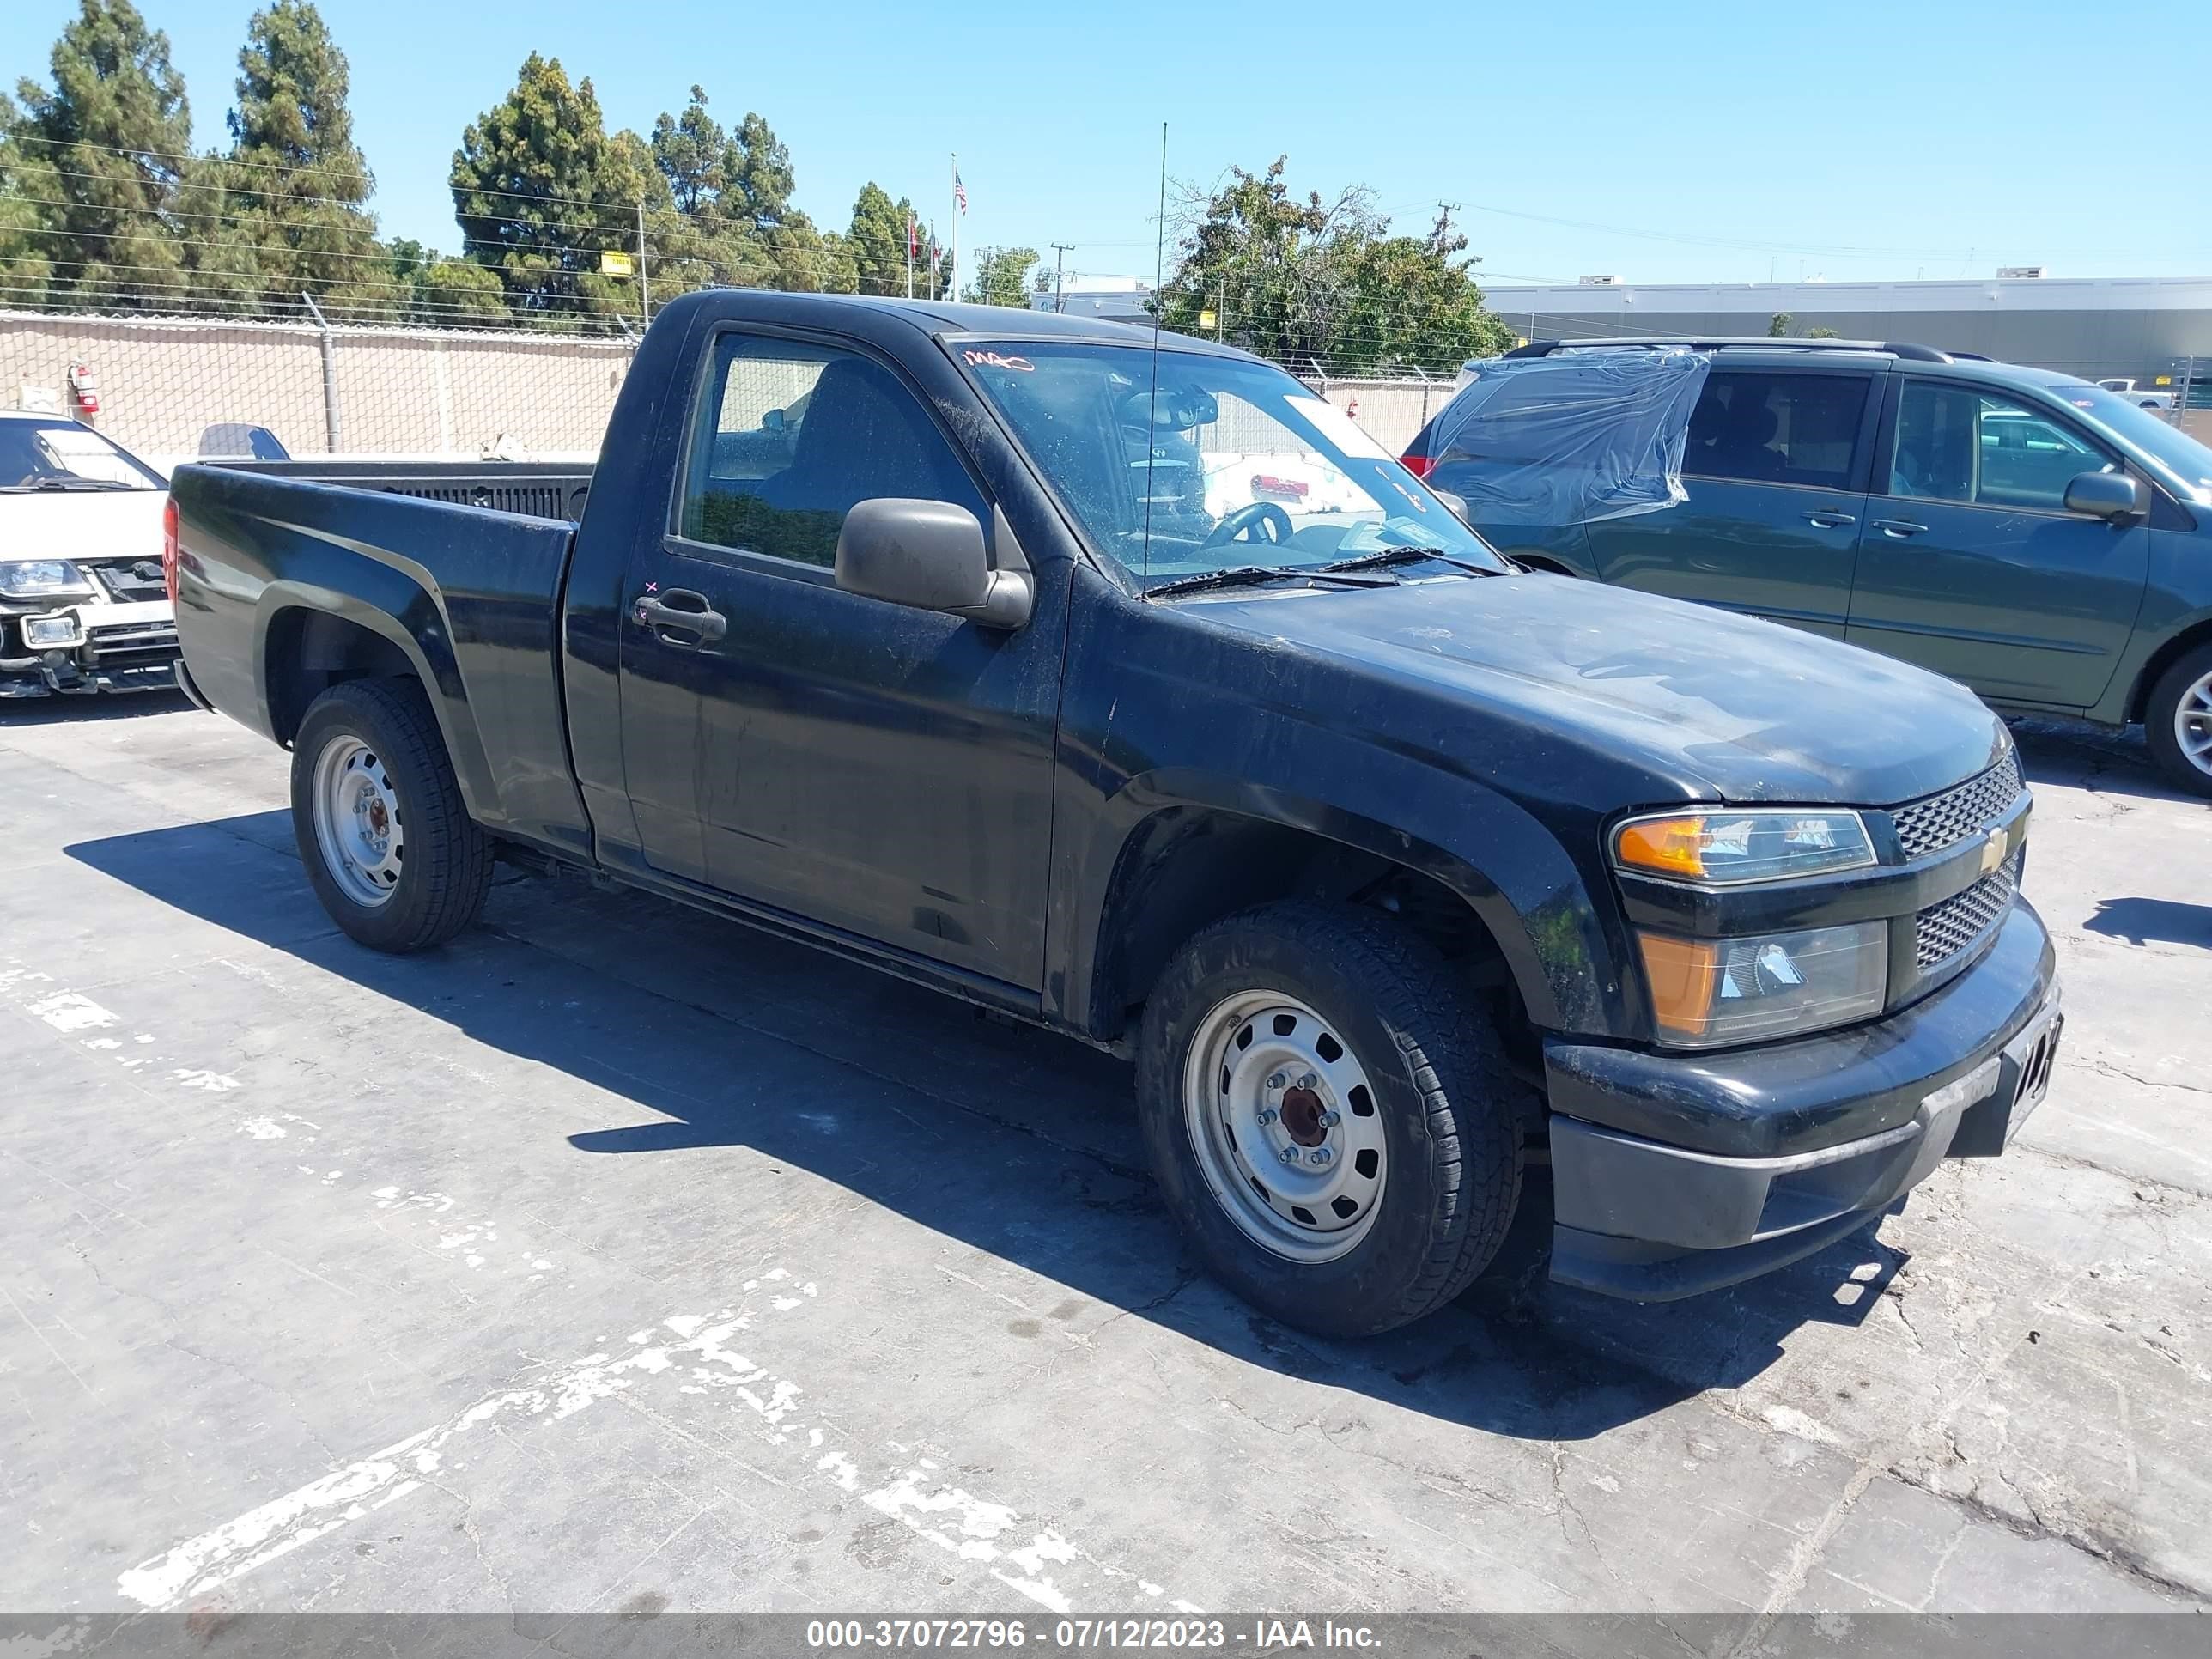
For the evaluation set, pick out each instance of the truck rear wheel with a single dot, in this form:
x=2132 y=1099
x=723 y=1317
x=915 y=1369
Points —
x=1332 y=1122
x=390 y=848
x=2177 y=721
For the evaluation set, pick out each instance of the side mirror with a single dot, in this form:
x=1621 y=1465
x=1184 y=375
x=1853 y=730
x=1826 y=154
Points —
x=931 y=556
x=773 y=421
x=1457 y=503
x=2112 y=496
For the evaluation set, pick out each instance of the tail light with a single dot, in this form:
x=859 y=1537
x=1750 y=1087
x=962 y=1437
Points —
x=169 y=547
x=1419 y=466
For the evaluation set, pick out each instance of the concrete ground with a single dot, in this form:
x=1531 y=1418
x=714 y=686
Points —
x=616 y=1258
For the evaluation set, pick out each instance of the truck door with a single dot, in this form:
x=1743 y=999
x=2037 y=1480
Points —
x=1969 y=562
x=1774 y=471
x=882 y=770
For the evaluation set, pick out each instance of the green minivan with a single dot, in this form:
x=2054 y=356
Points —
x=2041 y=538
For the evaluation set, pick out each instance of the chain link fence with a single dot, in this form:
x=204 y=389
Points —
x=348 y=389
x=164 y=382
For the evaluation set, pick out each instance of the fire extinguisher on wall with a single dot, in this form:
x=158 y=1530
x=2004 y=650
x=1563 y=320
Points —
x=84 y=391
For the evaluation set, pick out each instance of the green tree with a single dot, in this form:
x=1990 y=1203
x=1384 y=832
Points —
x=27 y=272
x=541 y=190
x=461 y=291
x=98 y=160
x=1001 y=276
x=1777 y=325
x=1314 y=284
x=758 y=169
x=877 y=240
x=296 y=183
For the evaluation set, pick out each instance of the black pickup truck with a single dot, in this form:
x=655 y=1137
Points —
x=1123 y=686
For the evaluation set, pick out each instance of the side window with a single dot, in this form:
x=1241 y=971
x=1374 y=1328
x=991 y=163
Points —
x=789 y=437
x=1956 y=444
x=1777 y=429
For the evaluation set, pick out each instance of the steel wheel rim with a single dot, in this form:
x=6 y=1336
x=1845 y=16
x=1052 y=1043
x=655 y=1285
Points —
x=2192 y=724
x=1265 y=1077
x=357 y=824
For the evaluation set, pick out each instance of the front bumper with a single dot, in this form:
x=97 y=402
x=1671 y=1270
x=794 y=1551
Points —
x=1676 y=1174
x=84 y=648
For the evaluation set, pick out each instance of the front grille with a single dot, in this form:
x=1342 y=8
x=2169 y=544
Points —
x=1945 y=820
x=124 y=644
x=1943 y=932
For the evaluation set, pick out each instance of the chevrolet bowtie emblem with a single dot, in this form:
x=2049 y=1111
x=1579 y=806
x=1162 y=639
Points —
x=1993 y=850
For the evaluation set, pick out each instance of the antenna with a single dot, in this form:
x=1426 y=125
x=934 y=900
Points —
x=1152 y=414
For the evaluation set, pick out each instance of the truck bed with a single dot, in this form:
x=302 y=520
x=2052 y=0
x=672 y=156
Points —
x=536 y=489
x=329 y=574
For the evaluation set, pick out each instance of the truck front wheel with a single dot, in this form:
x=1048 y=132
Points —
x=389 y=845
x=1332 y=1122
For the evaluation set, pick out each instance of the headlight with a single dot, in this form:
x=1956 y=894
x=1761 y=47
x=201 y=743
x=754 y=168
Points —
x=1724 y=849
x=1709 y=992
x=40 y=579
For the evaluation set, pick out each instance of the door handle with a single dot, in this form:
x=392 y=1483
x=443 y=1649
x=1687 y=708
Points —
x=1899 y=529
x=1828 y=519
x=681 y=610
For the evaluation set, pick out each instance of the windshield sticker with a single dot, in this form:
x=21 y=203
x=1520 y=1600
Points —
x=993 y=360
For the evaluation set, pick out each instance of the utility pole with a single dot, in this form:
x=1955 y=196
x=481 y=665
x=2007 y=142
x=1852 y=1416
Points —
x=1443 y=233
x=644 y=285
x=1060 y=252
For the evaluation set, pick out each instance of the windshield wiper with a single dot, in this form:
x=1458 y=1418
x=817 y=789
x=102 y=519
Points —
x=1390 y=555
x=68 y=484
x=1248 y=575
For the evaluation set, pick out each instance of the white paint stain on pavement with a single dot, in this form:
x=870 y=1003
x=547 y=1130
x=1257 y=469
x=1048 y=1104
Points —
x=276 y=1529
x=71 y=1012
x=216 y=1083
x=969 y=1528
x=700 y=1362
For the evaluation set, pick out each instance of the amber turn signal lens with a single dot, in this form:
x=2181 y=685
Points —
x=1665 y=846
x=1681 y=973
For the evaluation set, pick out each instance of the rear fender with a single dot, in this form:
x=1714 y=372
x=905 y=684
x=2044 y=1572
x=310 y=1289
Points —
x=381 y=596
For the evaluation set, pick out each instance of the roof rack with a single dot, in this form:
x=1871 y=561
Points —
x=1918 y=353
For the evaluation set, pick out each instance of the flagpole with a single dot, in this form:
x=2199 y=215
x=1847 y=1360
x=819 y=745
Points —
x=955 y=282
x=910 y=255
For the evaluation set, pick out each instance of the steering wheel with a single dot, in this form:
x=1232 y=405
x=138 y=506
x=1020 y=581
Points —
x=1251 y=517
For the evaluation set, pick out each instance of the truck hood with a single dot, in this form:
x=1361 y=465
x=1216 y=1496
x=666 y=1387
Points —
x=90 y=523
x=1721 y=706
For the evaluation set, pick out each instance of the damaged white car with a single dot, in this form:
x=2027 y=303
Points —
x=83 y=606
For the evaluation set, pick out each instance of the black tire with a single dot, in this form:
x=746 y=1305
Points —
x=2160 y=709
x=447 y=867
x=1451 y=1112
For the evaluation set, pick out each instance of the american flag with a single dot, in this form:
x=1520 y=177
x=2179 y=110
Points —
x=959 y=190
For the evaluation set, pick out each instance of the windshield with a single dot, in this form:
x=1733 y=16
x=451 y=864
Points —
x=65 y=455
x=2189 y=461
x=1230 y=464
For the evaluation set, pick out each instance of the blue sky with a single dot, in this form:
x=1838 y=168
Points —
x=1666 y=142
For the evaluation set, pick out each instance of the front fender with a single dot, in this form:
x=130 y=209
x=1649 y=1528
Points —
x=1507 y=867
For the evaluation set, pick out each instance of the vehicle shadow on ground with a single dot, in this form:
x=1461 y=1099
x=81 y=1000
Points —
x=106 y=706
x=2091 y=757
x=2147 y=921
x=1018 y=1143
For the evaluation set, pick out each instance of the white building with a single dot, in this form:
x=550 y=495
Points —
x=2092 y=326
